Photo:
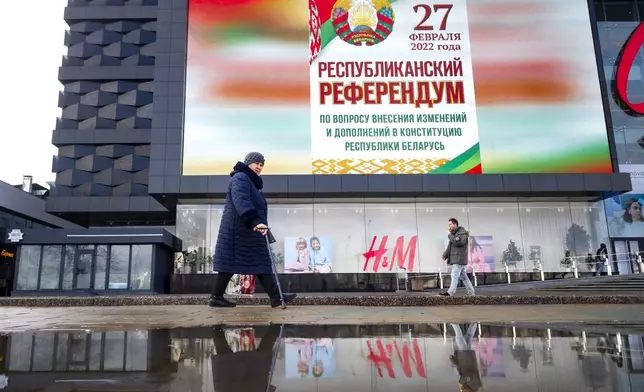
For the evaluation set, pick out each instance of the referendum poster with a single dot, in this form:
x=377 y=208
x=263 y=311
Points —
x=393 y=87
x=394 y=103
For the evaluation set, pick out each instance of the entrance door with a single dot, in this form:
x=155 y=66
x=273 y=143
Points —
x=7 y=267
x=626 y=252
x=84 y=269
x=6 y=277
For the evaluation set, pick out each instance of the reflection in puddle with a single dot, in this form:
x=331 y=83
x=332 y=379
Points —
x=430 y=357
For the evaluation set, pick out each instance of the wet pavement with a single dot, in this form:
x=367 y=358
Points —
x=485 y=296
x=151 y=317
x=408 y=357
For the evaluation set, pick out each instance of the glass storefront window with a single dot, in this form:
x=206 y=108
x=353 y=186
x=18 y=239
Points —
x=95 y=351
x=100 y=270
x=620 y=10
x=28 y=267
x=292 y=227
x=624 y=121
x=43 y=352
x=62 y=351
x=50 y=272
x=82 y=264
x=193 y=223
x=391 y=229
x=119 y=267
x=547 y=229
x=78 y=351
x=591 y=230
x=340 y=229
x=335 y=236
x=20 y=350
x=68 y=271
x=12 y=221
x=633 y=153
x=114 y=353
x=617 y=21
x=136 y=358
x=216 y=213
x=497 y=237
x=141 y=273
x=432 y=218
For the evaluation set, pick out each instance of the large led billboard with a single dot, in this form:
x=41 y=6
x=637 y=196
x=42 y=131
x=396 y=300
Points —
x=394 y=86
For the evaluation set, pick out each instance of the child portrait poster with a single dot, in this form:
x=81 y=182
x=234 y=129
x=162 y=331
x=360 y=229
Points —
x=308 y=255
x=309 y=358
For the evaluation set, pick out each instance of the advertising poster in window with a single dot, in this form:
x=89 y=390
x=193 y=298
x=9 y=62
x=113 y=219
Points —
x=308 y=255
x=309 y=358
x=480 y=254
x=489 y=353
x=624 y=213
x=394 y=87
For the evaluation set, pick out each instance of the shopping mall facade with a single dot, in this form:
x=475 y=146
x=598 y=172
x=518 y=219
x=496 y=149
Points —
x=141 y=160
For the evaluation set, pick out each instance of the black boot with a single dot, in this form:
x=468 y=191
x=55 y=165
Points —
x=288 y=297
x=217 y=299
x=269 y=284
x=220 y=302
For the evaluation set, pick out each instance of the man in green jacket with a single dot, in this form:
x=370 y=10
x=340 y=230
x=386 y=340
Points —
x=456 y=256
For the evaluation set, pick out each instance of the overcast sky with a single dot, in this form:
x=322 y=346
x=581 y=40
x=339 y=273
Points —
x=32 y=35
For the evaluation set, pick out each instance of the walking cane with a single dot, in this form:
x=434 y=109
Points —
x=269 y=240
x=276 y=350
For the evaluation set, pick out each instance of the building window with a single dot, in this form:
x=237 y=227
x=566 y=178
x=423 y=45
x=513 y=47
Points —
x=119 y=267
x=18 y=222
x=50 y=271
x=77 y=266
x=5 y=220
x=78 y=351
x=140 y=278
x=621 y=11
x=195 y=228
x=333 y=237
x=100 y=271
x=68 y=269
x=28 y=267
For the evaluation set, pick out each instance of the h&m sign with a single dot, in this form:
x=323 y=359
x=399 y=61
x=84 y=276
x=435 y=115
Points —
x=628 y=55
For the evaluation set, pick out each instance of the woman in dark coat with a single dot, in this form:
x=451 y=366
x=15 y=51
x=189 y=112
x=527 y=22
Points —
x=247 y=371
x=241 y=246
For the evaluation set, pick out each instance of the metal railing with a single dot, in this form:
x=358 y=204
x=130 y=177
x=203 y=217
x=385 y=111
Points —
x=568 y=264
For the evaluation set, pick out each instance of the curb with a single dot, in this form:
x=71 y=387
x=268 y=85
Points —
x=303 y=300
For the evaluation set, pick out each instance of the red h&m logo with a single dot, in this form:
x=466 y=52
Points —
x=384 y=358
x=404 y=257
x=629 y=53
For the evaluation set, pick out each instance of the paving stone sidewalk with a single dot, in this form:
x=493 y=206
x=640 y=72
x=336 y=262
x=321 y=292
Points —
x=346 y=299
x=150 y=317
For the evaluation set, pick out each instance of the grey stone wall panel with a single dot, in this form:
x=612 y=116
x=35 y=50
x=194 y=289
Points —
x=104 y=131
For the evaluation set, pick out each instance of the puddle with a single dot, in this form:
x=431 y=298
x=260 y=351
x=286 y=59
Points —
x=428 y=357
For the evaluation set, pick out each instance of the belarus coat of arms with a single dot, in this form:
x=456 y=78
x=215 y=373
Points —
x=363 y=22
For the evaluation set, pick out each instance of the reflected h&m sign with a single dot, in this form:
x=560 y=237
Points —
x=629 y=53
